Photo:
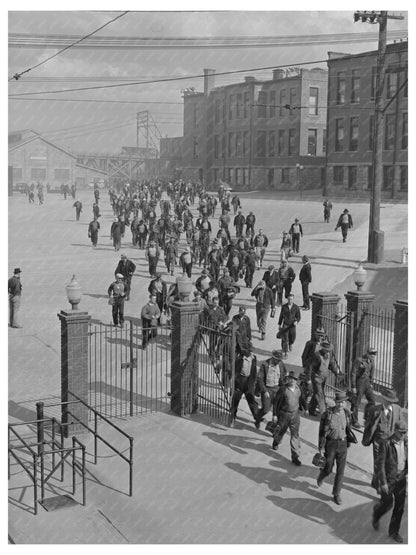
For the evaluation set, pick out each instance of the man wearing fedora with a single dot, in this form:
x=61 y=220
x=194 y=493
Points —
x=296 y=232
x=127 y=268
x=271 y=376
x=362 y=376
x=380 y=423
x=391 y=467
x=264 y=304
x=286 y=414
x=15 y=295
x=321 y=363
x=335 y=436
x=288 y=320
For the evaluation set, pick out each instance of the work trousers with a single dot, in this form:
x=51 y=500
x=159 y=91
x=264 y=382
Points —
x=335 y=452
x=118 y=310
x=262 y=313
x=148 y=331
x=267 y=401
x=305 y=294
x=289 y=420
x=396 y=498
x=241 y=387
x=318 y=396
x=364 y=387
x=288 y=338
x=295 y=242
x=14 y=306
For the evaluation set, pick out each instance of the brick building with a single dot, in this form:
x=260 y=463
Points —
x=351 y=94
x=258 y=134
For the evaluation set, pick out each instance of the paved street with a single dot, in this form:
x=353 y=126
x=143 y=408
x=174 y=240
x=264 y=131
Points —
x=195 y=481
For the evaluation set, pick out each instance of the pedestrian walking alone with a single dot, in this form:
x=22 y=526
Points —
x=296 y=232
x=93 y=230
x=305 y=277
x=116 y=293
x=345 y=223
x=15 y=296
x=127 y=268
x=327 y=210
x=78 y=209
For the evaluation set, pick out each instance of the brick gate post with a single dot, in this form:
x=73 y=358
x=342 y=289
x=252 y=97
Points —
x=326 y=305
x=359 y=303
x=74 y=365
x=184 y=357
x=400 y=351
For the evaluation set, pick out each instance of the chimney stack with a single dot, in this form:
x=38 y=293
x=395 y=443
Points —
x=209 y=80
x=278 y=74
x=249 y=79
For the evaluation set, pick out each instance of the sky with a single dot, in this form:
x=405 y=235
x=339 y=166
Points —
x=81 y=122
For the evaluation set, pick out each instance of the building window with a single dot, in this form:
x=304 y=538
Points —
x=285 y=175
x=246 y=143
x=262 y=105
x=369 y=177
x=270 y=177
x=338 y=175
x=195 y=150
x=312 y=139
x=231 y=145
x=261 y=144
x=281 y=142
x=272 y=142
x=341 y=87
x=218 y=110
x=292 y=99
x=246 y=176
x=391 y=83
x=352 y=177
x=389 y=128
x=354 y=128
x=61 y=174
x=217 y=143
x=231 y=107
x=196 y=116
x=224 y=146
x=292 y=142
x=355 y=86
x=272 y=111
x=339 y=135
x=373 y=83
x=216 y=175
x=246 y=104
x=239 y=108
x=239 y=144
x=403 y=178
x=238 y=176
x=388 y=176
x=230 y=175
x=313 y=101
x=371 y=130
x=17 y=174
x=404 y=131
x=38 y=174
x=323 y=141
x=282 y=102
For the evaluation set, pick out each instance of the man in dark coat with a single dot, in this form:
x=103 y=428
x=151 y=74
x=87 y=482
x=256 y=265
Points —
x=317 y=373
x=159 y=288
x=250 y=266
x=117 y=292
x=288 y=320
x=242 y=329
x=245 y=379
x=296 y=232
x=305 y=277
x=127 y=268
x=264 y=304
x=115 y=234
x=93 y=230
x=392 y=469
x=271 y=376
x=334 y=438
x=345 y=223
x=239 y=222
x=78 y=209
x=15 y=295
x=271 y=279
x=327 y=210
x=250 y=222
x=362 y=375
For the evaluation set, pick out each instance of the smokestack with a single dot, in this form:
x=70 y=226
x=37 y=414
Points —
x=209 y=80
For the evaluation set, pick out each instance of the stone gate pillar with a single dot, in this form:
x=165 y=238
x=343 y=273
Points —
x=400 y=351
x=358 y=304
x=74 y=366
x=324 y=312
x=184 y=357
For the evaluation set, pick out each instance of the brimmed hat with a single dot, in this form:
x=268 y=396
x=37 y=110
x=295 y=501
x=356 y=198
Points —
x=320 y=331
x=277 y=353
x=271 y=267
x=204 y=272
x=296 y=220
x=371 y=351
x=400 y=426
x=17 y=271
x=325 y=346
x=340 y=396
x=292 y=375
x=390 y=395
x=305 y=258
x=261 y=284
x=123 y=255
x=119 y=276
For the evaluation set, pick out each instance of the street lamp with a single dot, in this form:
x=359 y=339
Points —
x=74 y=293
x=299 y=168
x=360 y=276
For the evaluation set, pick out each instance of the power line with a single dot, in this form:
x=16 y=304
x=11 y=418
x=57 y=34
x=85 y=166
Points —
x=97 y=100
x=18 y=75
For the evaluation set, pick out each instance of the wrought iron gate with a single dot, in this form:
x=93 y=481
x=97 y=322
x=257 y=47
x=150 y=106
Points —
x=124 y=378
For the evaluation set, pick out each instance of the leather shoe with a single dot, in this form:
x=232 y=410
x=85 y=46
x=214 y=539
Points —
x=375 y=522
x=274 y=446
x=337 y=499
x=296 y=462
x=319 y=481
x=397 y=537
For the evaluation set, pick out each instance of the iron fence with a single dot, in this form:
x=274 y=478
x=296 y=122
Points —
x=126 y=376
x=381 y=325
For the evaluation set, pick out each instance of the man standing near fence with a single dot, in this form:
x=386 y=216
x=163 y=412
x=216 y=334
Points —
x=362 y=376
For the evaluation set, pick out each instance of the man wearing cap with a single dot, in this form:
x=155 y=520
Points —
x=264 y=303
x=311 y=347
x=150 y=315
x=78 y=209
x=286 y=246
x=117 y=292
x=115 y=234
x=286 y=414
x=327 y=204
x=260 y=243
x=250 y=222
x=317 y=373
x=245 y=379
x=93 y=229
x=379 y=425
x=335 y=436
x=271 y=279
x=242 y=326
x=239 y=222
x=203 y=281
x=296 y=232
x=362 y=375
x=152 y=254
x=288 y=320
x=249 y=265
x=286 y=278
x=305 y=277
x=271 y=376
x=127 y=268
x=392 y=469
x=202 y=304
x=186 y=260
x=15 y=296
x=159 y=288
x=345 y=223
x=142 y=232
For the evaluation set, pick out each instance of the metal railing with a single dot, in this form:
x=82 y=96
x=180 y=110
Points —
x=127 y=376
x=381 y=325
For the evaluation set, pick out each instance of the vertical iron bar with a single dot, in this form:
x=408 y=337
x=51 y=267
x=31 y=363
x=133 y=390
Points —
x=35 y=485
x=73 y=467
x=131 y=468
x=84 y=492
x=131 y=366
x=95 y=437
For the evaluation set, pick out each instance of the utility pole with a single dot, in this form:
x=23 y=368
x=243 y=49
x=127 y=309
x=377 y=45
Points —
x=375 y=235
